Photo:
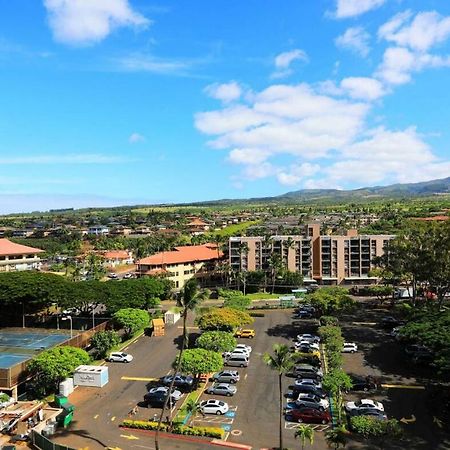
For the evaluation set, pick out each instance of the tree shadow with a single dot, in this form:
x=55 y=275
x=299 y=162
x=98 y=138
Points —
x=65 y=432
x=192 y=337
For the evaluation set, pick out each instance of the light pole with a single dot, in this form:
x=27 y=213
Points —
x=71 y=328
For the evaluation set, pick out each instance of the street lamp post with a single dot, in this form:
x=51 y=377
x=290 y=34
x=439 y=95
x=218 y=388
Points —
x=71 y=327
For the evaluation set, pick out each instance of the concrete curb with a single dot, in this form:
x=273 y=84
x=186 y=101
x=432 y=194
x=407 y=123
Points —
x=181 y=437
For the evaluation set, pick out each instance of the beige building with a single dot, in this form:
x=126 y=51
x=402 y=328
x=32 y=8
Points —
x=182 y=264
x=332 y=259
x=15 y=257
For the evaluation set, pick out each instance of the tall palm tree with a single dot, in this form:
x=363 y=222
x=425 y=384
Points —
x=242 y=250
x=337 y=437
x=282 y=361
x=305 y=433
x=275 y=265
x=188 y=299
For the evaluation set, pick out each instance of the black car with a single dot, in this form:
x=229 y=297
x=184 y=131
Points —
x=363 y=384
x=307 y=390
x=157 y=396
x=182 y=382
x=303 y=315
x=390 y=322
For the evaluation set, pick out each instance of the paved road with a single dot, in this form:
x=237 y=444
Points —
x=100 y=411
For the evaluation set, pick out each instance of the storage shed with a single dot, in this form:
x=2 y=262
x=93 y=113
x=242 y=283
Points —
x=171 y=317
x=92 y=376
x=158 y=327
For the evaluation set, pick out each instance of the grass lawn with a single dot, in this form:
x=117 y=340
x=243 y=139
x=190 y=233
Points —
x=194 y=395
x=262 y=296
x=234 y=229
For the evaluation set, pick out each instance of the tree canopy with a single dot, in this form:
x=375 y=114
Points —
x=333 y=299
x=54 y=365
x=197 y=361
x=223 y=319
x=218 y=341
x=131 y=320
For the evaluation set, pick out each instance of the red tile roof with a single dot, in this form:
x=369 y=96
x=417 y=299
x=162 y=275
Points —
x=205 y=252
x=11 y=248
x=116 y=254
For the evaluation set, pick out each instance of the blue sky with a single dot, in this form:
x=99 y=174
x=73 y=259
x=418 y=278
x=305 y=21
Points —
x=134 y=101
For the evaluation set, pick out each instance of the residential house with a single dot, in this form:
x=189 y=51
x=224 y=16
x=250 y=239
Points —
x=16 y=257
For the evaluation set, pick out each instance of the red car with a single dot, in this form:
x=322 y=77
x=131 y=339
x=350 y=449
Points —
x=309 y=415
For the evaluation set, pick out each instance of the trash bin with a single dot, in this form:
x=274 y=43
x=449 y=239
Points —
x=60 y=400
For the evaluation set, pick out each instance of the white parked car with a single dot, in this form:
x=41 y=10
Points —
x=364 y=404
x=119 y=357
x=349 y=347
x=235 y=352
x=309 y=344
x=245 y=347
x=308 y=382
x=308 y=337
x=214 y=406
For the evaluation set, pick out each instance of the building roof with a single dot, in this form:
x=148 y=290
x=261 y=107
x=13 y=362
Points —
x=197 y=223
x=116 y=254
x=11 y=248
x=205 y=252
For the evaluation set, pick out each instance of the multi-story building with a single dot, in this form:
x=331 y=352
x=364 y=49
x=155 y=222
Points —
x=182 y=264
x=332 y=259
x=15 y=257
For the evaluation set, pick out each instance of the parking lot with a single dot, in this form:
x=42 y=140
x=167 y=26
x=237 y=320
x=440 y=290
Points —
x=253 y=415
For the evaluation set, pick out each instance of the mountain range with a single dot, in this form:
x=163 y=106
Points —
x=394 y=191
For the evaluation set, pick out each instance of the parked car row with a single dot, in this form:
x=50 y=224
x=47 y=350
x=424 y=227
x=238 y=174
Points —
x=157 y=395
x=224 y=382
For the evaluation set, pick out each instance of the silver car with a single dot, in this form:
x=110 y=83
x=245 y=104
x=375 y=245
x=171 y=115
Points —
x=222 y=389
x=226 y=376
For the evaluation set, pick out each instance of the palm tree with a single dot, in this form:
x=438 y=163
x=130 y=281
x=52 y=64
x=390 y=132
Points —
x=188 y=299
x=275 y=265
x=305 y=433
x=242 y=250
x=337 y=437
x=193 y=407
x=282 y=362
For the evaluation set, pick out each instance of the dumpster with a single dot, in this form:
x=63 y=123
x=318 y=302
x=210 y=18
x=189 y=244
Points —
x=66 y=416
x=158 y=327
x=60 y=400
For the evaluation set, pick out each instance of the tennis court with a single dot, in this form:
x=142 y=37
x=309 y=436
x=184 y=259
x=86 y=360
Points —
x=18 y=346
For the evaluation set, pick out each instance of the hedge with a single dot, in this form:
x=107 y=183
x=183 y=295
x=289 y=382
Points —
x=213 y=432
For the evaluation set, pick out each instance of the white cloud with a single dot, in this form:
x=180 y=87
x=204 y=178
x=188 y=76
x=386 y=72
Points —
x=355 y=39
x=146 y=63
x=82 y=22
x=62 y=159
x=363 y=88
x=420 y=33
x=226 y=92
x=399 y=63
x=293 y=133
x=135 y=138
x=296 y=173
x=284 y=60
x=353 y=8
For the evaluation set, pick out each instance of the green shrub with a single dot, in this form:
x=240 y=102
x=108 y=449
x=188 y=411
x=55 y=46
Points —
x=178 y=428
x=369 y=427
x=328 y=320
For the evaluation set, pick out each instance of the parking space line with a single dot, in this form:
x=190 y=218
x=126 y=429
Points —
x=404 y=386
x=96 y=416
x=113 y=418
x=139 y=379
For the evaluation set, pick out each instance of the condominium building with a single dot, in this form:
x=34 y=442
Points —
x=15 y=257
x=182 y=264
x=333 y=259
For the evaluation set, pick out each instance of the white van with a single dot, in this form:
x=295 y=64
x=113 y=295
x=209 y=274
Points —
x=237 y=361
